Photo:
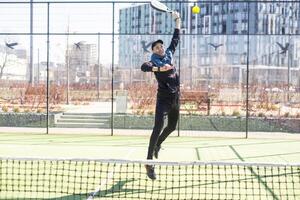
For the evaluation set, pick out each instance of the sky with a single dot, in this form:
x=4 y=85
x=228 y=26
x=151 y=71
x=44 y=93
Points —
x=64 y=18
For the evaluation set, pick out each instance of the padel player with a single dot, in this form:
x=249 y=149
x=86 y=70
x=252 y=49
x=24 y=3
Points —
x=167 y=102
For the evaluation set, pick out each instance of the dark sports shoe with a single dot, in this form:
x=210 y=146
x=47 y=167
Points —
x=150 y=172
x=156 y=150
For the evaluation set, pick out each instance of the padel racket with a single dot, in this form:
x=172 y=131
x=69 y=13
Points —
x=160 y=6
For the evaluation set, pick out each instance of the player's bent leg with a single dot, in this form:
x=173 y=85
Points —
x=172 y=122
x=156 y=150
x=159 y=123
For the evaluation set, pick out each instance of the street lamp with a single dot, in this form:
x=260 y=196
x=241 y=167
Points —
x=98 y=71
x=290 y=62
x=284 y=49
x=68 y=73
x=38 y=69
x=215 y=46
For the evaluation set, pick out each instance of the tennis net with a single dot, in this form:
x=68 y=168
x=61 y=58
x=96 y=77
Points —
x=24 y=178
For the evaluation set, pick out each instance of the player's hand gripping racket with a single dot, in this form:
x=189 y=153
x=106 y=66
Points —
x=160 y=6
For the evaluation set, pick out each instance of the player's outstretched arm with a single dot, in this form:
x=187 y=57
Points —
x=177 y=18
x=175 y=38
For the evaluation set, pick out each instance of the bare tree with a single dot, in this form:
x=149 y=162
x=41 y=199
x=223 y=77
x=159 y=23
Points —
x=3 y=64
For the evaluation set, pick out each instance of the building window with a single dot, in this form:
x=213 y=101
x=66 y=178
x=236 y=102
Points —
x=207 y=9
x=203 y=10
x=223 y=28
x=216 y=8
x=215 y=29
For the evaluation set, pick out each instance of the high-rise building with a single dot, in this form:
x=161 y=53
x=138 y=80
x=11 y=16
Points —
x=219 y=23
x=80 y=60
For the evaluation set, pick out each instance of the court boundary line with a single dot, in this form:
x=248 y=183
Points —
x=255 y=174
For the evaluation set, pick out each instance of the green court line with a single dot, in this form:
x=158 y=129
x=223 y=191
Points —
x=236 y=153
x=255 y=174
x=249 y=144
x=198 y=154
x=271 y=155
x=69 y=139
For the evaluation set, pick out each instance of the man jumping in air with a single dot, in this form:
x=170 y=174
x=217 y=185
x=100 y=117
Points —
x=167 y=102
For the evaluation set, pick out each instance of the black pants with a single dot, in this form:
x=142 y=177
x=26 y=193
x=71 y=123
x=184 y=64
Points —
x=164 y=106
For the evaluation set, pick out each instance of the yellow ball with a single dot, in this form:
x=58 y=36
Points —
x=196 y=10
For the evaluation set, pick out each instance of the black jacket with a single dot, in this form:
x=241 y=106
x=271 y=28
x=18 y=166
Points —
x=168 y=82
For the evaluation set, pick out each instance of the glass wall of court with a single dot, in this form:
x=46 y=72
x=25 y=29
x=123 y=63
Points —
x=76 y=65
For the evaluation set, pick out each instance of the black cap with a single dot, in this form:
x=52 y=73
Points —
x=156 y=42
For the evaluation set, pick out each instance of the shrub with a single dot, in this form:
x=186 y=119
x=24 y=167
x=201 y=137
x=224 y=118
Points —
x=236 y=113
x=150 y=112
x=274 y=107
x=39 y=110
x=5 y=109
x=16 y=109
x=26 y=110
x=287 y=114
x=261 y=114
